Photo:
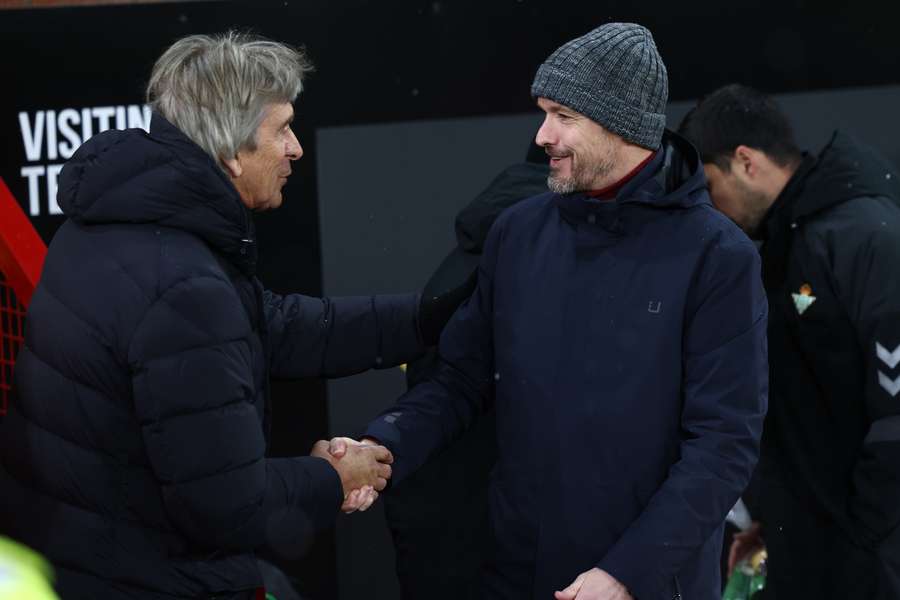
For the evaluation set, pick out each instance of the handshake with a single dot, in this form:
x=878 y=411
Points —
x=364 y=468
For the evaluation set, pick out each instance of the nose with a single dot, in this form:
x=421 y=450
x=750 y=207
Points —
x=293 y=150
x=544 y=136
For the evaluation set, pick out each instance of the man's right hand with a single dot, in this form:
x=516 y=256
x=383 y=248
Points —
x=363 y=468
x=744 y=545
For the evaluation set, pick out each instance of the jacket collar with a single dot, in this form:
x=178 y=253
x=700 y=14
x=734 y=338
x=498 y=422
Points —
x=674 y=179
x=161 y=178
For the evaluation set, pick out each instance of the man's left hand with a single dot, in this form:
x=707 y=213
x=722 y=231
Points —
x=594 y=585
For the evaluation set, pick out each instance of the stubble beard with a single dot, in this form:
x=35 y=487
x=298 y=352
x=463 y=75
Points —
x=583 y=176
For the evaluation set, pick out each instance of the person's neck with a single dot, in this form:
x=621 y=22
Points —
x=778 y=181
x=630 y=158
x=621 y=176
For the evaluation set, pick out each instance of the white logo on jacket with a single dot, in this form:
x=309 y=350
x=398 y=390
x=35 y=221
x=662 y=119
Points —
x=804 y=299
x=891 y=359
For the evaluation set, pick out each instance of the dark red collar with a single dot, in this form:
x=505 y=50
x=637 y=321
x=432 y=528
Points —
x=609 y=192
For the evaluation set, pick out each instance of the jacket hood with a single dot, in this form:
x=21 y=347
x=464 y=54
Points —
x=160 y=178
x=844 y=169
x=674 y=179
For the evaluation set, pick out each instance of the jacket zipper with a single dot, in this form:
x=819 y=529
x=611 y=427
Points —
x=677 y=595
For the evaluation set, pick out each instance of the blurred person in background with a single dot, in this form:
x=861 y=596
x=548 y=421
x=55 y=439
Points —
x=438 y=516
x=827 y=489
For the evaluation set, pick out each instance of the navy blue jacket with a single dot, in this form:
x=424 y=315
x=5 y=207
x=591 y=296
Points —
x=134 y=455
x=624 y=345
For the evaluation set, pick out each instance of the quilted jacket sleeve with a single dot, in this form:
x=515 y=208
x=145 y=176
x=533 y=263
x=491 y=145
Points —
x=336 y=337
x=866 y=267
x=193 y=386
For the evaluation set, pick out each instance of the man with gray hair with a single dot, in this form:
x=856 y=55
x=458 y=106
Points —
x=134 y=452
x=618 y=325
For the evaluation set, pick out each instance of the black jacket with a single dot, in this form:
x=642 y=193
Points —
x=438 y=515
x=512 y=185
x=134 y=455
x=831 y=265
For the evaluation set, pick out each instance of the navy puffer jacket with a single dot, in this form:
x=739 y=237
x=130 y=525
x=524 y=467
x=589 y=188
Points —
x=134 y=453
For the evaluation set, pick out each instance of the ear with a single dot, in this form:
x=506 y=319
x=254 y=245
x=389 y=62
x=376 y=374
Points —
x=233 y=166
x=746 y=160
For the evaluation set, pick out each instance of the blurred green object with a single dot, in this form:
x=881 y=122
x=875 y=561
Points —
x=24 y=574
x=748 y=578
x=270 y=596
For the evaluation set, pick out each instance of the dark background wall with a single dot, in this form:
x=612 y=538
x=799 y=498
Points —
x=414 y=107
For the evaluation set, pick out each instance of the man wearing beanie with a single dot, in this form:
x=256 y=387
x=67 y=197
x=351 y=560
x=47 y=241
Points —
x=618 y=331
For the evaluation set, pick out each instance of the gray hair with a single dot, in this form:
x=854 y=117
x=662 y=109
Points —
x=216 y=89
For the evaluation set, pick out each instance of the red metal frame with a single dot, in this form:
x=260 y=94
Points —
x=22 y=253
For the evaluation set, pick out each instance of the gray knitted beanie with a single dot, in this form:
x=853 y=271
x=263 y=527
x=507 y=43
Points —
x=613 y=75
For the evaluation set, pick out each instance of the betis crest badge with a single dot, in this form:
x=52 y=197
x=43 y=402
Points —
x=804 y=299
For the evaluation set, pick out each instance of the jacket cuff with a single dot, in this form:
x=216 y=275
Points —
x=384 y=432
x=637 y=573
x=327 y=492
x=399 y=337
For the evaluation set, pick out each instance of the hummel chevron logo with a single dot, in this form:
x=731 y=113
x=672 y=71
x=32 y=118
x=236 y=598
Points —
x=891 y=387
x=889 y=358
